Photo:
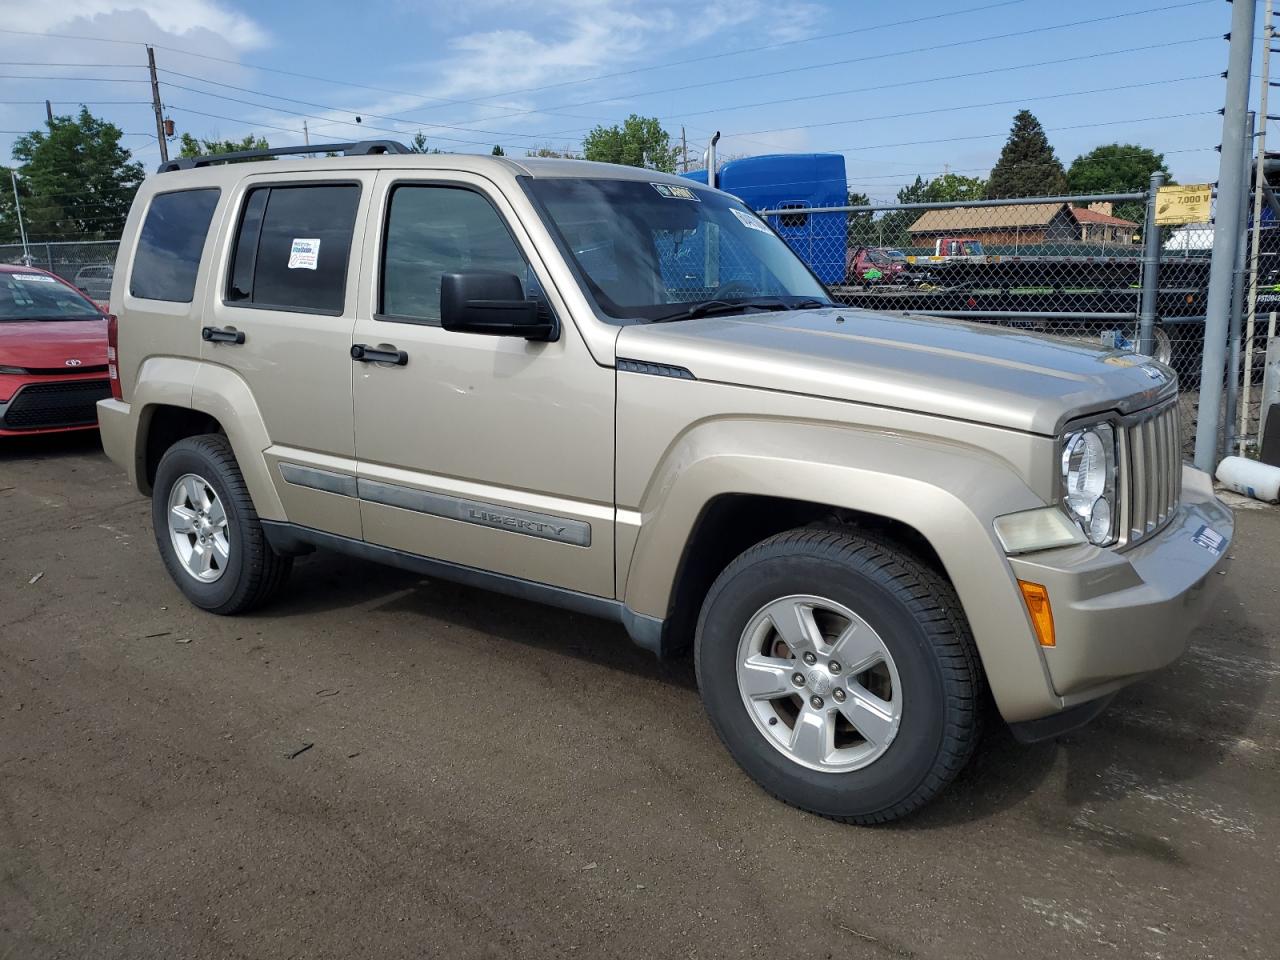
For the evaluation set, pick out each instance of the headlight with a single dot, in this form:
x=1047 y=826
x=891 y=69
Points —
x=1089 y=481
x=18 y=370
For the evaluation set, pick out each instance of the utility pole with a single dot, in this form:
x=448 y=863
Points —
x=48 y=111
x=1259 y=181
x=156 y=105
x=1238 y=291
x=22 y=229
x=1226 y=235
x=684 y=151
x=306 y=134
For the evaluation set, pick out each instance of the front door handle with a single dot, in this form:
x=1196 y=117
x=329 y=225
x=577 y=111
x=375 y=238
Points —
x=367 y=354
x=219 y=335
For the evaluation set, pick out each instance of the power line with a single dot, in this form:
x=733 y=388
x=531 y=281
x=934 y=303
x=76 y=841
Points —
x=977 y=106
x=1005 y=133
x=77 y=79
x=744 y=50
x=329 y=107
x=952 y=76
x=930 y=49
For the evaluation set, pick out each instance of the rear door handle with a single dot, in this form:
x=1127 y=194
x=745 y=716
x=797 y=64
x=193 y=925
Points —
x=219 y=335
x=367 y=354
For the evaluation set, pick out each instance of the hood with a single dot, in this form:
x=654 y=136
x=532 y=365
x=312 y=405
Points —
x=950 y=368
x=49 y=344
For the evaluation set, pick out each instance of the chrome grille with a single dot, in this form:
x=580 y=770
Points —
x=1153 y=470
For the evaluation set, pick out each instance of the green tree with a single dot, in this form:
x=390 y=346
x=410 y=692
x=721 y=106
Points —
x=546 y=150
x=1027 y=167
x=9 y=229
x=639 y=142
x=1116 y=168
x=419 y=144
x=861 y=229
x=951 y=187
x=189 y=146
x=81 y=180
x=498 y=151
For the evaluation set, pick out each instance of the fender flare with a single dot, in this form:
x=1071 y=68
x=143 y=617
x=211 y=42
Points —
x=223 y=395
x=946 y=491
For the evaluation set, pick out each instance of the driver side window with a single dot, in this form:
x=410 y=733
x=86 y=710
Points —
x=434 y=230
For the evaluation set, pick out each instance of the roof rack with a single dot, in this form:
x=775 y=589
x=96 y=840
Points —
x=363 y=148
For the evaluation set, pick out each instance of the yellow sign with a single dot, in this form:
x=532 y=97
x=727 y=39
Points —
x=1187 y=203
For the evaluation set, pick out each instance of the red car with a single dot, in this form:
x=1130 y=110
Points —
x=53 y=354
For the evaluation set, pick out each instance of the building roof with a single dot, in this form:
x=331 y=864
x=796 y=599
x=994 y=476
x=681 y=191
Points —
x=971 y=219
x=1085 y=215
x=961 y=219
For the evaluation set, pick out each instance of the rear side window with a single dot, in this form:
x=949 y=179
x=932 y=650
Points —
x=170 y=244
x=292 y=247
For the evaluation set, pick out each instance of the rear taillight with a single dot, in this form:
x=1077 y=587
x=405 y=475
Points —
x=113 y=356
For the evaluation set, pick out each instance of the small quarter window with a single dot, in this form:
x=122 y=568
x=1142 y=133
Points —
x=170 y=245
x=292 y=248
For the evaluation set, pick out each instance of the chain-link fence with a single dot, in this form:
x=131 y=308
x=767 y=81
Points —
x=88 y=264
x=1069 y=266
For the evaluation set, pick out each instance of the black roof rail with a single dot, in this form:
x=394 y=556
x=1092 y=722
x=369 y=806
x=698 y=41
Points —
x=361 y=149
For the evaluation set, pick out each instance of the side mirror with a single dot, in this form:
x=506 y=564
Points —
x=493 y=303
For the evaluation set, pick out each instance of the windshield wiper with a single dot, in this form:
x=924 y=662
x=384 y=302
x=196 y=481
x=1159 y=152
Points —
x=706 y=308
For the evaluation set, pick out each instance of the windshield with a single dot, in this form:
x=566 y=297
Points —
x=38 y=296
x=643 y=247
x=895 y=254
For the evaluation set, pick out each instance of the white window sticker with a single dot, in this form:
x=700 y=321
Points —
x=33 y=277
x=304 y=254
x=748 y=221
x=675 y=192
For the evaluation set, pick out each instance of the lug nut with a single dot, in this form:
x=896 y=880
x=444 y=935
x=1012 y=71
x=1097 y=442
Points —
x=810 y=659
x=815 y=702
x=838 y=694
x=833 y=667
x=798 y=679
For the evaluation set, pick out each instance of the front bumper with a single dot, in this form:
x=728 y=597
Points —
x=1121 y=614
x=41 y=403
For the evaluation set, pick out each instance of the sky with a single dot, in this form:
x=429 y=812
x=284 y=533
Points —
x=900 y=89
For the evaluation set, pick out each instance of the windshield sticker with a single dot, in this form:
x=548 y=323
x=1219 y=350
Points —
x=304 y=254
x=33 y=277
x=748 y=221
x=675 y=192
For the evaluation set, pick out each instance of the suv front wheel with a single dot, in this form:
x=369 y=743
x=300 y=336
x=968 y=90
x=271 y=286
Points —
x=208 y=532
x=841 y=674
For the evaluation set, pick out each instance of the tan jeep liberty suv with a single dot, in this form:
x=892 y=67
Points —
x=620 y=392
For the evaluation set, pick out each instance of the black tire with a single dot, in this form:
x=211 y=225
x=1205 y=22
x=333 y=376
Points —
x=254 y=572
x=918 y=616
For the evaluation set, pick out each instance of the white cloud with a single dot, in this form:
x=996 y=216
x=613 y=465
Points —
x=177 y=18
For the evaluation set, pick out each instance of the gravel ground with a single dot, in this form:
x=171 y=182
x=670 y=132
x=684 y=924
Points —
x=384 y=766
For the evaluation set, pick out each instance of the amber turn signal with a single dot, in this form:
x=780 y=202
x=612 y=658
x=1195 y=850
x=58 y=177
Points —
x=1037 y=600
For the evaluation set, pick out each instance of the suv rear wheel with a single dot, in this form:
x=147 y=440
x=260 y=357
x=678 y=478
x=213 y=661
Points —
x=208 y=531
x=840 y=673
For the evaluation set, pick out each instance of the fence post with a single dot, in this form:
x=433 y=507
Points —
x=1150 y=271
x=1226 y=236
x=48 y=255
x=1238 y=292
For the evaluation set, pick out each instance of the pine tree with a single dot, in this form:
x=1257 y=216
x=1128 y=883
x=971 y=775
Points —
x=1027 y=167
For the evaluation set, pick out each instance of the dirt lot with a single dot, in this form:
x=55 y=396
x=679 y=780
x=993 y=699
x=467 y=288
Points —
x=480 y=777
